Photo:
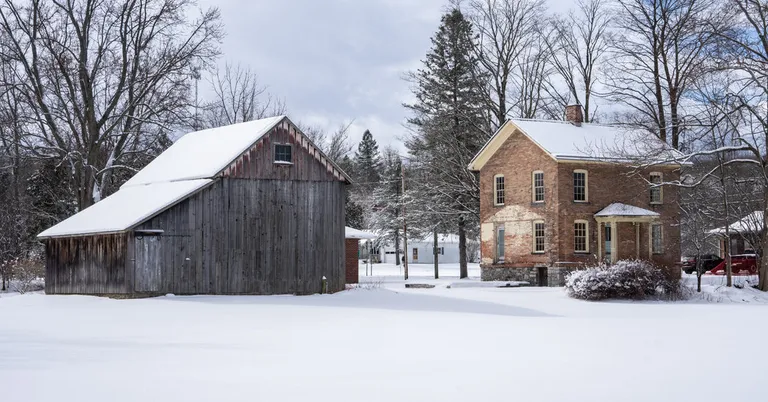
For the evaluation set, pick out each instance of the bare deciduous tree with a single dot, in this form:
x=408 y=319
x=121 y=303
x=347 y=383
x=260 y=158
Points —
x=577 y=43
x=103 y=78
x=239 y=97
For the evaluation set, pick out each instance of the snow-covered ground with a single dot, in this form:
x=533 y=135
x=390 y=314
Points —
x=381 y=342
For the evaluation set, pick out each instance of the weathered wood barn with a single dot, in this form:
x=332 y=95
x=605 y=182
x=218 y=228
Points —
x=251 y=208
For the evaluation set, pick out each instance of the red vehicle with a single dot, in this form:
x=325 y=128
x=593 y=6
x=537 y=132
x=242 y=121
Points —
x=744 y=264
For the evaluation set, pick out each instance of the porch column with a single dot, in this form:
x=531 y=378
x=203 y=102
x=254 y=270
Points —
x=637 y=238
x=599 y=242
x=614 y=241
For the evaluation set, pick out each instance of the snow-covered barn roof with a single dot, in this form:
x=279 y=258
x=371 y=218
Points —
x=751 y=223
x=352 y=233
x=563 y=140
x=203 y=154
x=124 y=209
x=182 y=169
x=619 y=209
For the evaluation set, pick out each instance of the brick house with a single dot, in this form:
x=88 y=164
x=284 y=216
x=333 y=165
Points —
x=559 y=195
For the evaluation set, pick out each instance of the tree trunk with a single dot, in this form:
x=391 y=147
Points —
x=397 y=246
x=434 y=251
x=462 y=249
x=763 y=270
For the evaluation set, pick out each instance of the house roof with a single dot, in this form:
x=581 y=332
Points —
x=619 y=209
x=182 y=169
x=749 y=224
x=203 y=154
x=352 y=233
x=564 y=141
x=125 y=208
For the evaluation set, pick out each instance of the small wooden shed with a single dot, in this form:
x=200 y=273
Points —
x=250 y=208
x=352 y=249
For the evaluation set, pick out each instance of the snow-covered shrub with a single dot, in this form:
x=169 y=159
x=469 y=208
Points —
x=630 y=279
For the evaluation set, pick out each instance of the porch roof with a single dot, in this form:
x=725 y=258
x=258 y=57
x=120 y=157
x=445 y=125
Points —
x=626 y=212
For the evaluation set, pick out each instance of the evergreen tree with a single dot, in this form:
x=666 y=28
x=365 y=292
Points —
x=387 y=218
x=450 y=128
x=367 y=162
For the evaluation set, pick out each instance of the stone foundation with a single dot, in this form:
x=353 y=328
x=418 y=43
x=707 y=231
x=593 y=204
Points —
x=555 y=276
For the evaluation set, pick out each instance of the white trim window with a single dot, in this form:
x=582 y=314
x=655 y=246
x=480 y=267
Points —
x=657 y=239
x=581 y=236
x=580 y=185
x=538 y=186
x=539 y=237
x=655 y=190
x=498 y=189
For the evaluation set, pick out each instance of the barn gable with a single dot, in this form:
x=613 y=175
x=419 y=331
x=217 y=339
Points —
x=309 y=162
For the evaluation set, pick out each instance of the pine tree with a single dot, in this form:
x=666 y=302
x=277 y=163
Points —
x=450 y=128
x=367 y=162
x=387 y=198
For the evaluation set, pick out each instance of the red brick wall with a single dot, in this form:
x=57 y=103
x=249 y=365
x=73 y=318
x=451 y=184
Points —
x=517 y=158
x=350 y=260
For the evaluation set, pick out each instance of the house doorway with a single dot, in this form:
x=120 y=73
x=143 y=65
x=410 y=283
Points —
x=607 y=244
x=542 y=276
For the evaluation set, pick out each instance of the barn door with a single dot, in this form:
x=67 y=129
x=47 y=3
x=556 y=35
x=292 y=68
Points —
x=147 y=266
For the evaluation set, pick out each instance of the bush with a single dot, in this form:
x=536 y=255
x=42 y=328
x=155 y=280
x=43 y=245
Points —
x=28 y=276
x=633 y=279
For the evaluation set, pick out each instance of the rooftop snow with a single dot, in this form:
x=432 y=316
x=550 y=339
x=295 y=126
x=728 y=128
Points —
x=203 y=154
x=751 y=223
x=125 y=208
x=564 y=140
x=619 y=209
x=352 y=233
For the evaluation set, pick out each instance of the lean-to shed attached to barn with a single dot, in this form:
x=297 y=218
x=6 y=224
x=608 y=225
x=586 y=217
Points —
x=250 y=208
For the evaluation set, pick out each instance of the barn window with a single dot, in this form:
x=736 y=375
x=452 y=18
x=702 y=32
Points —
x=283 y=153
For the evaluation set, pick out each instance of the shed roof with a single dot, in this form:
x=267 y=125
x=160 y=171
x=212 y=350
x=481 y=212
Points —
x=125 y=208
x=619 y=209
x=565 y=141
x=752 y=223
x=352 y=233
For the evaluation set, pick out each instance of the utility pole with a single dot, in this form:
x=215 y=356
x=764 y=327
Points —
x=405 y=225
x=437 y=275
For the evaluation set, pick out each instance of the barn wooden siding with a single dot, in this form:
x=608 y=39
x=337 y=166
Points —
x=99 y=264
x=242 y=236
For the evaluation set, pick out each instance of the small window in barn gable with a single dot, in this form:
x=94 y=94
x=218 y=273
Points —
x=283 y=153
x=498 y=189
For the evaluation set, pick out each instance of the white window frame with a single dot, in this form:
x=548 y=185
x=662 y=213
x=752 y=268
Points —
x=661 y=239
x=536 y=237
x=586 y=236
x=282 y=162
x=659 y=189
x=496 y=190
x=533 y=187
x=586 y=185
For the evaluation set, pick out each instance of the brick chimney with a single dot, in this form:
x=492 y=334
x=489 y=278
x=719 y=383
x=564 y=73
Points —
x=574 y=114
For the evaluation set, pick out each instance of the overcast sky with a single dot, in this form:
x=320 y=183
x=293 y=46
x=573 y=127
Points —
x=335 y=60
